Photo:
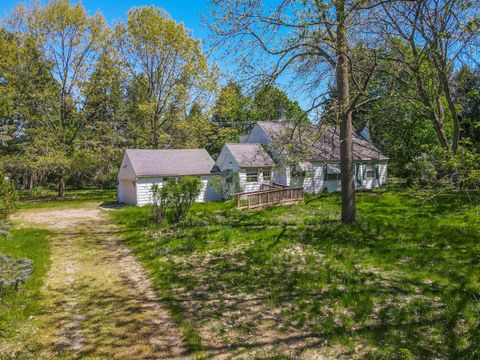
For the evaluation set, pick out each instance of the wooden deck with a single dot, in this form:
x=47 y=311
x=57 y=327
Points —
x=269 y=195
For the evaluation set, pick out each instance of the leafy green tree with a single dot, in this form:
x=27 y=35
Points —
x=27 y=87
x=269 y=103
x=68 y=39
x=428 y=39
x=466 y=85
x=193 y=130
x=168 y=70
x=105 y=109
x=232 y=111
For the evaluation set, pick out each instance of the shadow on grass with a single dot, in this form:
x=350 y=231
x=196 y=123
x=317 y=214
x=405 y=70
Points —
x=396 y=284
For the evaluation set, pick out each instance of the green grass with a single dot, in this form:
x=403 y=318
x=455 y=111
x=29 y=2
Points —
x=403 y=282
x=17 y=308
x=73 y=198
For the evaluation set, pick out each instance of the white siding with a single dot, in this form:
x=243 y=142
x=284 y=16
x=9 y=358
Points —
x=371 y=183
x=258 y=136
x=144 y=190
x=332 y=185
x=226 y=161
x=251 y=186
x=126 y=169
x=382 y=169
x=126 y=182
x=313 y=181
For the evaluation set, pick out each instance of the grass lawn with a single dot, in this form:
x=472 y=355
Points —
x=404 y=282
x=73 y=198
x=18 y=308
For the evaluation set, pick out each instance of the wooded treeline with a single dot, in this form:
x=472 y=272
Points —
x=75 y=92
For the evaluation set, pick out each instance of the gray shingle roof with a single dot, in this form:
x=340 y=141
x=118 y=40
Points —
x=170 y=162
x=250 y=155
x=319 y=143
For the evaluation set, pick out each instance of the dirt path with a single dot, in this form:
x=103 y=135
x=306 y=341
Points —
x=100 y=301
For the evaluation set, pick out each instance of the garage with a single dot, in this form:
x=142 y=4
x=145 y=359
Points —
x=141 y=168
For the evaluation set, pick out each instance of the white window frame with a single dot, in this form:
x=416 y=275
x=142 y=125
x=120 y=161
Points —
x=269 y=177
x=251 y=175
x=370 y=174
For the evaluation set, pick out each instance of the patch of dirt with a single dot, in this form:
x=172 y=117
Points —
x=100 y=302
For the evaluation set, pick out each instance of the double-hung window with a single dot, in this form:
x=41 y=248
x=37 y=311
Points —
x=266 y=175
x=252 y=175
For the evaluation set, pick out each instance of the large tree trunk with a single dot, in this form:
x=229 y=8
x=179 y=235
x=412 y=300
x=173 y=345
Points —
x=61 y=184
x=31 y=181
x=451 y=108
x=346 y=143
x=438 y=121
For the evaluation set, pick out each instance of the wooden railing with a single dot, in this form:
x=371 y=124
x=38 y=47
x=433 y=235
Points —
x=271 y=187
x=273 y=196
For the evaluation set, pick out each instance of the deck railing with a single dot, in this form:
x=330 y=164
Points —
x=273 y=196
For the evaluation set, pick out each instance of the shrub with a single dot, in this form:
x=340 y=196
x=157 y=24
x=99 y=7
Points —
x=13 y=271
x=440 y=169
x=159 y=208
x=8 y=197
x=174 y=199
x=227 y=184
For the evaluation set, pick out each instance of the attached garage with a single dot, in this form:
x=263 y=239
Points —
x=140 y=169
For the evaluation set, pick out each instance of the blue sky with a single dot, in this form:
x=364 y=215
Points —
x=187 y=11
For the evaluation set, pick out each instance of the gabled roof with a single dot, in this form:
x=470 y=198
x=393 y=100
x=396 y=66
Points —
x=319 y=143
x=170 y=162
x=250 y=155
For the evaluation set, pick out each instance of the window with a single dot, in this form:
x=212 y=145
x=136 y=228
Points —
x=167 y=179
x=370 y=174
x=252 y=175
x=334 y=177
x=331 y=172
x=266 y=175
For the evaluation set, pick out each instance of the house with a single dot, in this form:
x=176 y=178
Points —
x=140 y=169
x=251 y=162
x=308 y=156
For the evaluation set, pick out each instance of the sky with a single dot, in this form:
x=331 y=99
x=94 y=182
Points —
x=187 y=11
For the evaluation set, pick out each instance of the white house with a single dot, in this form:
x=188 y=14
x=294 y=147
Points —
x=252 y=163
x=309 y=156
x=140 y=169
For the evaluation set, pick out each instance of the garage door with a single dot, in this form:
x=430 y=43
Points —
x=129 y=192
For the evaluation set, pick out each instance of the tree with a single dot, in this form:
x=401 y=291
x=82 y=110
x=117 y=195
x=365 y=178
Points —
x=309 y=40
x=269 y=103
x=68 y=39
x=428 y=39
x=8 y=197
x=27 y=86
x=167 y=67
x=105 y=109
x=466 y=94
x=232 y=110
